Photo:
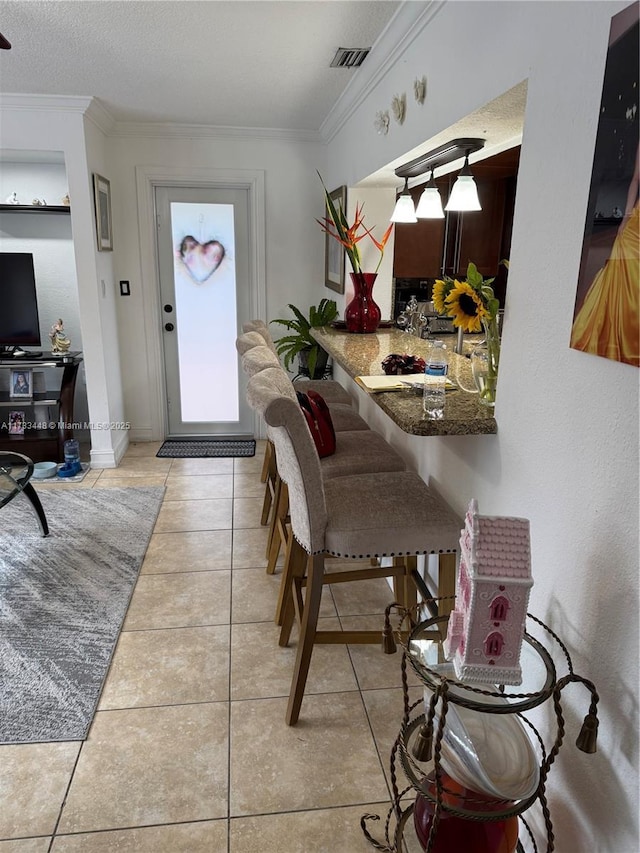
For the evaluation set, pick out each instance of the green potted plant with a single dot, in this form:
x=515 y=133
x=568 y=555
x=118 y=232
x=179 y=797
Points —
x=311 y=357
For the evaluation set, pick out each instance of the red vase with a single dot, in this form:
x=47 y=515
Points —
x=457 y=833
x=362 y=314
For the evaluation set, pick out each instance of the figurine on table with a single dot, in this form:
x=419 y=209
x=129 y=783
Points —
x=59 y=341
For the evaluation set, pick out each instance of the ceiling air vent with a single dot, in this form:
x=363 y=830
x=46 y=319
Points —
x=349 y=57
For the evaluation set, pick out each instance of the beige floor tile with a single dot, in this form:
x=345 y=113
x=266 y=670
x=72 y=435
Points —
x=248 y=486
x=373 y=668
x=201 y=466
x=142 y=448
x=181 y=487
x=180 y=600
x=168 y=667
x=189 y=551
x=125 y=482
x=150 y=766
x=205 y=837
x=137 y=466
x=385 y=711
x=194 y=515
x=254 y=596
x=260 y=668
x=33 y=782
x=362 y=597
x=327 y=759
x=250 y=464
x=249 y=548
x=246 y=513
x=25 y=845
x=321 y=831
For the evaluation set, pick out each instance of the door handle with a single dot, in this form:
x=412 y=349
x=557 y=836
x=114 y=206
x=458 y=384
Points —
x=169 y=327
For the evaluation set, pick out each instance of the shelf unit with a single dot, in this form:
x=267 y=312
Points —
x=420 y=727
x=35 y=208
x=41 y=444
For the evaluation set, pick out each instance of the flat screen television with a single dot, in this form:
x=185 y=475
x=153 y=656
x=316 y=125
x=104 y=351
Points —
x=19 y=324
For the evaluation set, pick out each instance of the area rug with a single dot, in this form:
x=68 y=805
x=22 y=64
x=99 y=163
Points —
x=203 y=448
x=63 y=599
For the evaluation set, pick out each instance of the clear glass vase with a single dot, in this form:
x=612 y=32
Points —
x=485 y=360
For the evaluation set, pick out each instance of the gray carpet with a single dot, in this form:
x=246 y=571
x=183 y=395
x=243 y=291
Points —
x=62 y=603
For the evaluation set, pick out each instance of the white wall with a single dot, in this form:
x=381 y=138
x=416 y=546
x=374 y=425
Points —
x=294 y=242
x=566 y=452
x=49 y=239
x=39 y=123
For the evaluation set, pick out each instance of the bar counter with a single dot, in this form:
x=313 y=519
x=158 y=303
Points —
x=361 y=355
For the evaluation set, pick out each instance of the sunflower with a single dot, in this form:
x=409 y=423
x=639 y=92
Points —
x=441 y=290
x=466 y=307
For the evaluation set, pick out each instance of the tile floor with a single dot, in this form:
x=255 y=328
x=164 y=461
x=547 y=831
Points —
x=189 y=751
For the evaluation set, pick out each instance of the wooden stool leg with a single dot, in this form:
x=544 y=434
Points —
x=280 y=519
x=277 y=486
x=269 y=490
x=307 y=636
x=294 y=566
x=266 y=462
x=446 y=583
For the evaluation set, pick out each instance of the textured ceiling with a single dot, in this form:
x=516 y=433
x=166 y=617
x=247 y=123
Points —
x=240 y=63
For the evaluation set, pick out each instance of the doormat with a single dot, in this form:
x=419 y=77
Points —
x=203 y=448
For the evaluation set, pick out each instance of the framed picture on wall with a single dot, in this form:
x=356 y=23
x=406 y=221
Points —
x=333 y=250
x=605 y=321
x=102 y=201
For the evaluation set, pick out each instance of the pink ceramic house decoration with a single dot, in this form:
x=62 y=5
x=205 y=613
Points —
x=485 y=630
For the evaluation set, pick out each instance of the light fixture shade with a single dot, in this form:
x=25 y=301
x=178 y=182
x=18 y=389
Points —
x=404 y=211
x=430 y=204
x=464 y=195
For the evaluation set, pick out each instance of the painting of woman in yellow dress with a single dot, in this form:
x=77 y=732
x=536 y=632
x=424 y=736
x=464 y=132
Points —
x=607 y=310
x=608 y=323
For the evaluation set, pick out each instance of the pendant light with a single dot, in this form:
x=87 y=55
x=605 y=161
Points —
x=404 y=211
x=430 y=204
x=464 y=195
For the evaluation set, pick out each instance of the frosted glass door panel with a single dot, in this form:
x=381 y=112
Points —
x=205 y=306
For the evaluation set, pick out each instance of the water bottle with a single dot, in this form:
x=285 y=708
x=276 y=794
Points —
x=435 y=378
x=72 y=456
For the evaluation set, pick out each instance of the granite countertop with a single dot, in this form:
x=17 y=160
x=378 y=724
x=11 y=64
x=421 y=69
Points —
x=361 y=355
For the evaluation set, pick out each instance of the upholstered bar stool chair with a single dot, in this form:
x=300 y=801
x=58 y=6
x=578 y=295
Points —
x=357 y=452
x=343 y=416
x=332 y=391
x=259 y=356
x=384 y=514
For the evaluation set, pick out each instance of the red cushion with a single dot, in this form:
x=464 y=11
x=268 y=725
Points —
x=318 y=417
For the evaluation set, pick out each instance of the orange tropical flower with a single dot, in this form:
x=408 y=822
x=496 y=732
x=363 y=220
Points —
x=337 y=226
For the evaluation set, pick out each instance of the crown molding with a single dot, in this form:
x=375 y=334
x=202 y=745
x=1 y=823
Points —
x=97 y=113
x=171 y=130
x=401 y=31
x=65 y=103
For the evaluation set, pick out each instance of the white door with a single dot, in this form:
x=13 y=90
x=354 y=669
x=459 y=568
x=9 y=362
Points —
x=203 y=258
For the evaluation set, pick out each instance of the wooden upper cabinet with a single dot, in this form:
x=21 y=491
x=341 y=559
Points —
x=419 y=246
x=477 y=235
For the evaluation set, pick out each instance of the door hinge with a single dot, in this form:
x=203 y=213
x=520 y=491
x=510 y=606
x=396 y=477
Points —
x=158 y=220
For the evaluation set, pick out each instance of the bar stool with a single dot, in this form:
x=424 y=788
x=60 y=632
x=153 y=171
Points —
x=332 y=391
x=357 y=452
x=384 y=514
x=344 y=418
